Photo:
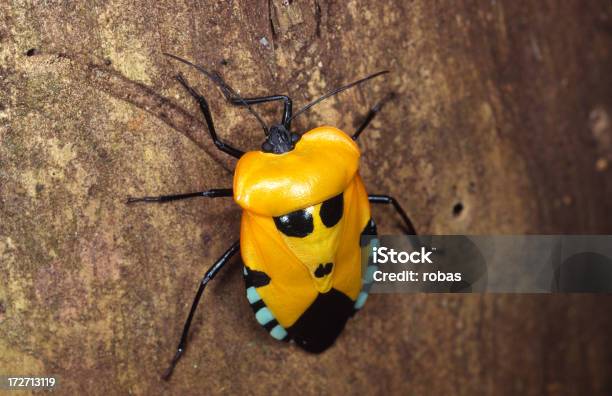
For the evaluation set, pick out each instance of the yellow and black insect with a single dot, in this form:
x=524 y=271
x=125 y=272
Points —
x=305 y=209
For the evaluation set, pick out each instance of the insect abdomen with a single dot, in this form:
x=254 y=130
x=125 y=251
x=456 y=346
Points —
x=319 y=326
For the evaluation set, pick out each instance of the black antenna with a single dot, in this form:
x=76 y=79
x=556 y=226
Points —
x=228 y=91
x=337 y=91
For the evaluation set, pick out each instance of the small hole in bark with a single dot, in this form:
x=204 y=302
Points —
x=31 y=52
x=108 y=62
x=457 y=209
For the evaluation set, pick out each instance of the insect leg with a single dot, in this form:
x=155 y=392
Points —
x=287 y=109
x=386 y=199
x=214 y=193
x=207 y=277
x=221 y=145
x=371 y=114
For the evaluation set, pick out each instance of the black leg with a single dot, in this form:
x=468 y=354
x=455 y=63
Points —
x=385 y=199
x=214 y=193
x=371 y=114
x=287 y=112
x=210 y=274
x=226 y=148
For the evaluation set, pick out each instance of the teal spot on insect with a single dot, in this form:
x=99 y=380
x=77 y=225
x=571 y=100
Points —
x=252 y=295
x=263 y=316
x=369 y=276
x=278 y=332
x=361 y=299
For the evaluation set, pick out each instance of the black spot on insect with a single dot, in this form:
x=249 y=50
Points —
x=31 y=52
x=295 y=224
x=257 y=278
x=331 y=211
x=323 y=270
x=257 y=305
x=319 y=326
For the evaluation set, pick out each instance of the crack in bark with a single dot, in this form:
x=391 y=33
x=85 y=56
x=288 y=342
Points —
x=317 y=19
x=271 y=20
x=112 y=82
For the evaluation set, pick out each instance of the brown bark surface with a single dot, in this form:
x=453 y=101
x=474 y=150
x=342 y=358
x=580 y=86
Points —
x=503 y=110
